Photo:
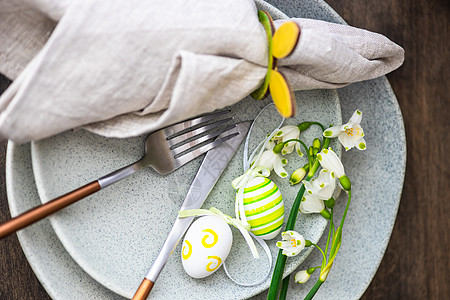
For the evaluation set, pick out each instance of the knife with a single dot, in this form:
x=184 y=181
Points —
x=209 y=172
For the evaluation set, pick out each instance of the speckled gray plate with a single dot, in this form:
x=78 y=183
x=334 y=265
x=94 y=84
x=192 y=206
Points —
x=379 y=168
x=115 y=234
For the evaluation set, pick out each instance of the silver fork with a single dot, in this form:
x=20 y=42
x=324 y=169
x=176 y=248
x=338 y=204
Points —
x=165 y=151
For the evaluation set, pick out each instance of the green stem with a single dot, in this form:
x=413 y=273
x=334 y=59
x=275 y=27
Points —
x=346 y=209
x=284 y=287
x=314 y=290
x=334 y=245
x=303 y=144
x=281 y=259
x=330 y=233
x=324 y=260
x=321 y=126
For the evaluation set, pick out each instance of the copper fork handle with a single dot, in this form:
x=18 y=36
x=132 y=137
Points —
x=42 y=211
x=144 y=290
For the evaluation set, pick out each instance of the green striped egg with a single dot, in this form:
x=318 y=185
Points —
x=264 y=207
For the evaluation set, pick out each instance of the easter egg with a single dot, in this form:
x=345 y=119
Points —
x=206 y=245
x=264 y=207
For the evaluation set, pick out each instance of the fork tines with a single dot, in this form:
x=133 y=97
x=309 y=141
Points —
x=199 y=134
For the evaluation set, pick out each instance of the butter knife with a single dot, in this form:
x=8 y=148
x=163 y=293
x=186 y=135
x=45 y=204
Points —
x=209 y=172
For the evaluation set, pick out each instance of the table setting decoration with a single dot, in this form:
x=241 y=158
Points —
x=178 y=96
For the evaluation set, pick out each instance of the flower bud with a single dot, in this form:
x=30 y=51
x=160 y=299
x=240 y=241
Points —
x=345 y=183
x=304 y=125
x=311 y=151
x=326 y=214
x=302 y=276
x=330 y=202
x=298 y=175
x=317 y=144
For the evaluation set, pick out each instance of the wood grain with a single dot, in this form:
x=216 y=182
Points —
x=418 y=252
x=416 y=263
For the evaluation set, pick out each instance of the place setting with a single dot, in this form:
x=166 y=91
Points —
x=102 y=244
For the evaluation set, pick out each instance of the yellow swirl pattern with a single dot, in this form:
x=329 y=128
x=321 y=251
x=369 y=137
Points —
x=218 y=262
x=189 y=251
x=206 y=236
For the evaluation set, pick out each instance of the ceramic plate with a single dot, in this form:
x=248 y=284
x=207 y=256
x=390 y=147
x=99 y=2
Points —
x=380 y=168
x=115 y=234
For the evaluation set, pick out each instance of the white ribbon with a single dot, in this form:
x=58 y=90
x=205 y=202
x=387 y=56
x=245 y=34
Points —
x=252 y=172
x=244 y=231
x=229 y=220
x=239 y=184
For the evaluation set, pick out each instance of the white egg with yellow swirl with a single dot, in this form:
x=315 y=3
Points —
x=264 y=207
x=206 y=245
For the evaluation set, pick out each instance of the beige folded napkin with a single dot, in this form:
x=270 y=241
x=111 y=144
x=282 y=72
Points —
x=121 y=68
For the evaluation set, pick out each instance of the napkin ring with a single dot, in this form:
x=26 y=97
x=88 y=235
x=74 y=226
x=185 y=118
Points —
x=281 y=43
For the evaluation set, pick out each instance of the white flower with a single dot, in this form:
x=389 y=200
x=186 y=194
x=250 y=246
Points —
x=311 y=205
x=317 y=190
x=323 y=186
x=292 y=243
x=287 y=133
x=350 y=134
x=329 y=160
x=302 y=276
x=272 y=161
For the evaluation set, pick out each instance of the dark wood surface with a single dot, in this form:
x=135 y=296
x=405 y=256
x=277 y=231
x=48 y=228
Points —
x=416 y=264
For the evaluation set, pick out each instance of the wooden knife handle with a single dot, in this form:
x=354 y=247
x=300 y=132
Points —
x=44 y=210
x=144 y=290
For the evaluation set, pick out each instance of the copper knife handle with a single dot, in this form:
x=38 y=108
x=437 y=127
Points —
x=44 y=210
x=144 y=290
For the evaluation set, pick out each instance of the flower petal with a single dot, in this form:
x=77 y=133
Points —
x=332 y=132
x=311 y=205
x=288 y=148
x=329 y=160
x=270 y=144
x=267 y=160
x=278 y=168
x=346 y=141
x=325 y=185
x=361 y=144
x=356 y=117
x=310 y=190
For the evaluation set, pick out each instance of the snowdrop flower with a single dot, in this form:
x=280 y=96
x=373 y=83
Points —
x=323 y=186
x=329 y=160
x=272 y=161
x=287 y=133
x=303 y=275
x=292 y=243
x=317 y=191
x=350 y=134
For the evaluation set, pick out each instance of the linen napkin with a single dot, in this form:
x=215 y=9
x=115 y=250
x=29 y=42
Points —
x=122 y=68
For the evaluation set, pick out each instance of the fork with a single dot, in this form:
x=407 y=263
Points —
x=165 y=151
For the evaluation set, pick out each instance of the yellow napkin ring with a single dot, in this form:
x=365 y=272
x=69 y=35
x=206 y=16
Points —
x=282 y=43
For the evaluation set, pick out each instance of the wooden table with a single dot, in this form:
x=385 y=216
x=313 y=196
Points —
x=416 y=264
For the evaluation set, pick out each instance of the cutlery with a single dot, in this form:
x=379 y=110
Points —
x=165 y=151
x=209 y=172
